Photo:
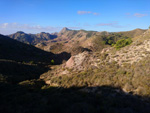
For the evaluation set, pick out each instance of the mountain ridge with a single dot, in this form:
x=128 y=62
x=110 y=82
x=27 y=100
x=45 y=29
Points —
x=32 y=38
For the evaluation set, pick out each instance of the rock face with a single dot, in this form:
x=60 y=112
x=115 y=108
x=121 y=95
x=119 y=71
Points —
x=77 y=61
x=70 y=62
x=82 y=61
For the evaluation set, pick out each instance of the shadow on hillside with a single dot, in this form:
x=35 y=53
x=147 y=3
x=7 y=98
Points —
x=104 y=99
x=14 y=72
x=64 y=56
x=20 y=61
x=11 y=49
x=80 y=49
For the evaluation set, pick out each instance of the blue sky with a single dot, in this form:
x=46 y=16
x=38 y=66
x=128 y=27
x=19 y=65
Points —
x=34 y=16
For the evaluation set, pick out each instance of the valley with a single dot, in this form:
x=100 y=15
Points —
x=75 y=71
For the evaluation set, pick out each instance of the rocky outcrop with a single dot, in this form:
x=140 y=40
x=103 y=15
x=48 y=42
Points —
x=77 y=61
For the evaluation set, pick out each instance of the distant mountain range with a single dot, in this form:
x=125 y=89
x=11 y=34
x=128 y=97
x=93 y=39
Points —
x=66 y=35
x=32 y=39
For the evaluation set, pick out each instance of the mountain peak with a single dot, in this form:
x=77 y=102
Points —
x=42 y=32
x=20 y=32
x=64 y=30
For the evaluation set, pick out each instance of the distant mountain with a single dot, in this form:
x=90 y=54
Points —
x=66 y=34
x=67 y=38
x=32 y=38
x=46 y=36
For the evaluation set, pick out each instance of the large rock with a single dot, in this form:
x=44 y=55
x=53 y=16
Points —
x=77 y=61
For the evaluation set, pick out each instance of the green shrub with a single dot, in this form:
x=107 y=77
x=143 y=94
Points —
x=109 y=40
x=52 y=62
x=122 y=43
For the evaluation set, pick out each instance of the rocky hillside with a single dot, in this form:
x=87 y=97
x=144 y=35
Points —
x=68 y=39
x=111 y=66
x=137 y=51
x=96 y=76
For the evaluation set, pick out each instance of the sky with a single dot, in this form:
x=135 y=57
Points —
x=35 y=16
